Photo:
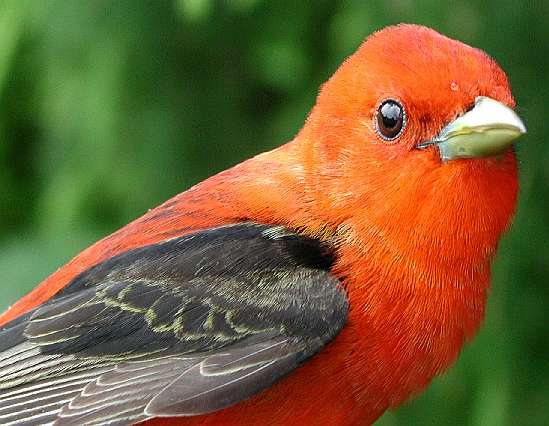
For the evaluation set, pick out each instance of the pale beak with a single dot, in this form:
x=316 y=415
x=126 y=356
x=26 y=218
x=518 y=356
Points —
x=488 y=129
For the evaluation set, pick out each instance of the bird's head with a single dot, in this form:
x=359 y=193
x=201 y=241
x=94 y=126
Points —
x=417 y=127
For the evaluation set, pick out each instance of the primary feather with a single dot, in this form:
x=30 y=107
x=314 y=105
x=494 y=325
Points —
x=184 y=327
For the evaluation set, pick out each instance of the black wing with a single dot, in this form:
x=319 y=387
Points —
x=184 y=327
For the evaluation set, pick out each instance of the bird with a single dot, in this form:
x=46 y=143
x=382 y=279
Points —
x=320 y=283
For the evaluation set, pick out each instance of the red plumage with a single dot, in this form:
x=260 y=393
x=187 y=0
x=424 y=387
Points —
x=415 y=236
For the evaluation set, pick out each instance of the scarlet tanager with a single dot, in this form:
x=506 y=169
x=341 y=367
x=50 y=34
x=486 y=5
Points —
x=320 y=283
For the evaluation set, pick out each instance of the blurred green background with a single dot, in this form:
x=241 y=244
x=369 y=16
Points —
x=107 y=108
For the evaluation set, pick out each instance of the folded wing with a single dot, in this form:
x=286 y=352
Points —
x=180 y=328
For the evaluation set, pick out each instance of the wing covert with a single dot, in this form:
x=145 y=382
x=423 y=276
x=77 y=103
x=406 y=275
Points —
x=184 y=327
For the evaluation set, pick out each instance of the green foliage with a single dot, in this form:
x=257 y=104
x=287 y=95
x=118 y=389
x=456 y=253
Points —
x=108 y=108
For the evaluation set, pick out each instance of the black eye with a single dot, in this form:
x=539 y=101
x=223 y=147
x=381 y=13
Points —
x=390 y=119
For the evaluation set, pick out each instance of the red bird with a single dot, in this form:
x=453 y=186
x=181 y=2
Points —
x=320 y=283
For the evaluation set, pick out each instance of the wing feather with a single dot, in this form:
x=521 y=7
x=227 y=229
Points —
x=181 y=328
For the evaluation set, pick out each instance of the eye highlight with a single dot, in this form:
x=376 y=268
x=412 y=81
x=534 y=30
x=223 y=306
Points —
x=390 y=119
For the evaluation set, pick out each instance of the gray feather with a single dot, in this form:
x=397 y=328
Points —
x=180 y=328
